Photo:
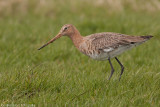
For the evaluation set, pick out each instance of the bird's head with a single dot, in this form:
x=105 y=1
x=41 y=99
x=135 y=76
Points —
x=66 y=30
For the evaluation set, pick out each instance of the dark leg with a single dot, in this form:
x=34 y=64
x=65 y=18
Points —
x=112 y=69
x=122 y=67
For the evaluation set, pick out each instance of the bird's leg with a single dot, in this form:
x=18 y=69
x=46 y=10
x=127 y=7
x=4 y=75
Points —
x=122 y=67
x=112 y=69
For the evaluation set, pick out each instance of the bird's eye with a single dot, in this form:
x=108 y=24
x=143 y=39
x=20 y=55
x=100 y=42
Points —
x=65 y=28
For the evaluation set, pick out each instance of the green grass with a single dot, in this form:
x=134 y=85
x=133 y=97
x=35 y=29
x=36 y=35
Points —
x=60 y=75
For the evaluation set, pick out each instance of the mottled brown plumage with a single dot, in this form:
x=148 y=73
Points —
x=100 y=46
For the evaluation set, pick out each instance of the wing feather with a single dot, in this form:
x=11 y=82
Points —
x=109 y=41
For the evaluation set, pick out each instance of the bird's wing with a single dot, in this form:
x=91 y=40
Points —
x=109 y=41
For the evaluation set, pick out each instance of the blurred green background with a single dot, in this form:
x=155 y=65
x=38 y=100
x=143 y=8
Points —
x=59 y=75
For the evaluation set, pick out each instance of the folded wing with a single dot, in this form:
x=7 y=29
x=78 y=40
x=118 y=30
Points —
x=109 y=41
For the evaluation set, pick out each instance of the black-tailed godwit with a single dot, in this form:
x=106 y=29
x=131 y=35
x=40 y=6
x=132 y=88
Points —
x=100 y=46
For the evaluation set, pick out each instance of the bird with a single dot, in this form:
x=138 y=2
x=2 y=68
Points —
x=101 y=46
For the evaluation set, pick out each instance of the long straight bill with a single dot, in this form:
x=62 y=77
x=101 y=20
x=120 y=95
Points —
x=52 y=40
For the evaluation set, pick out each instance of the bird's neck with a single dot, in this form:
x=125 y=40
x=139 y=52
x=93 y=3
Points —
x=76 y=38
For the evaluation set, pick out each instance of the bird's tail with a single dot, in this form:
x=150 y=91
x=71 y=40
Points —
x=140 y=39
x=143 y=39
x=146 y=37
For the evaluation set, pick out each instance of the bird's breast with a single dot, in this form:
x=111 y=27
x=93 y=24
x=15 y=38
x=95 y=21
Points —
x=91 y=51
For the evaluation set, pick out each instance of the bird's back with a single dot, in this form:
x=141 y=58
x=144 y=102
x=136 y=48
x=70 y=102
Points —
x=110 y=44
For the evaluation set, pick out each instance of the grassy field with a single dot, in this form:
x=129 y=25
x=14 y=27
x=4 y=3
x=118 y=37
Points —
x=59 y=75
